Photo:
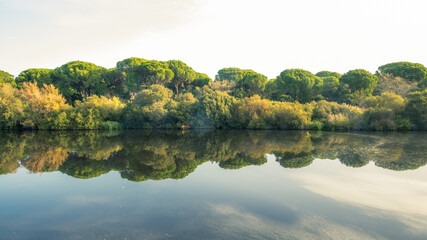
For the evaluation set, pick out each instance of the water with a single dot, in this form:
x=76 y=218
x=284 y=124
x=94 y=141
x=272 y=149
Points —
x=213 y=185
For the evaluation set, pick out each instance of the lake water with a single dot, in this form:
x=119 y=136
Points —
x=213 y=185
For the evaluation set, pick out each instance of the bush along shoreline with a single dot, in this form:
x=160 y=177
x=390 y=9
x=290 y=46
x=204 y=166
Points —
x=149 y=94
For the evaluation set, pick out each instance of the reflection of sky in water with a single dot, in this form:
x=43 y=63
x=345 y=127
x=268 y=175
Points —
x=323 y=200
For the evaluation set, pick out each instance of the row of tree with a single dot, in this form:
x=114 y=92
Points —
x=141 y=93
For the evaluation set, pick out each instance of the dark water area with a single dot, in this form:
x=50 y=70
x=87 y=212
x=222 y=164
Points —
x=213 y=185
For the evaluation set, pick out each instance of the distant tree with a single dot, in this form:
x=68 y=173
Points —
x=410 y=71
x=148 y=72
x=397 y=85
x=331 y=88
x=360 y=80
x=77 y=80
x=230 y=74
x=251 y=84
x=38 y=75
x=300 y=84
x=7 y=78
x=40 y=103
x=115 y=80
x=11 y=106
x=247 y=82
x=416 y=108
x=202 y=80
x=129 y=63
x=324 y=74
x=183 y=75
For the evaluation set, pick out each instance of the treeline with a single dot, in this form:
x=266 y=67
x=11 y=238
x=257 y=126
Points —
x=151 y=94
x=144 y=155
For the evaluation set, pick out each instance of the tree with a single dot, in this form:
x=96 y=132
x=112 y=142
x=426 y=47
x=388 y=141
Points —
x=183 y=75
x=40 y=102
x=38 y=75
x=154 y=94
x=77 y=80
x=129 y=63
x=398 y=85
x=251 y=84
x=331 y=88
x=300 y=84
x=202 y=80
x=416 y=108
x=11 y=106
x=360 y=80
x=115 y=80
x=247 y=82
x=230 y=74
x=213 y=110
x=325 y=74
x=410 y=71
x=7 y=78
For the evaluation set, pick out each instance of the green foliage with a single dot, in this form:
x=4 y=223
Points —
x=78 y=80
x=246 y=82
x=129 y=63
x=35 y=75
x=326 y=74
x=331 y=87
x=7 y=78
x=149 y=108
x=334 y=116
x=116 y=80
x=251 y=84
x=410 y=71
x=109 y=108
x=213 y=110
x=183 y=75
x=416 y=109
x=360 y=80
x=230 y=74
x=300 y=84
x=109 y=126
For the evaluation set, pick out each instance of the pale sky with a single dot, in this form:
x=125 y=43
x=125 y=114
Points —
x=267 y=36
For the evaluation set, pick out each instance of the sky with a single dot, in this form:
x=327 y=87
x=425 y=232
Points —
x=267 y=36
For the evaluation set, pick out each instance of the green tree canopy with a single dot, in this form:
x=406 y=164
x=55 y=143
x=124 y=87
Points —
x=300 y=84
x=129 y=63
x=202 y=80
x=38 y=75
x=247 y=82
x=230 y=74
x=410 y=71
x=183 y=74
x=7 y=78
x=78 y=80
x=416 y=108
x=360 y=80
x=324 y=74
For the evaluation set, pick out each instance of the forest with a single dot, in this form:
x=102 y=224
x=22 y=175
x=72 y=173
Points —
x=150 y=94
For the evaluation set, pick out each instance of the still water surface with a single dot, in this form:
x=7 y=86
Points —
x=213 y=185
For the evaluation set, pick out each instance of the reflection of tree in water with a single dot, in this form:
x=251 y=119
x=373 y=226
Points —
x=242 y=161
x=294 y=160
x=404 y=155
x=81 y=167
x=352 y=158
x=144 y=155
x=11 y=150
